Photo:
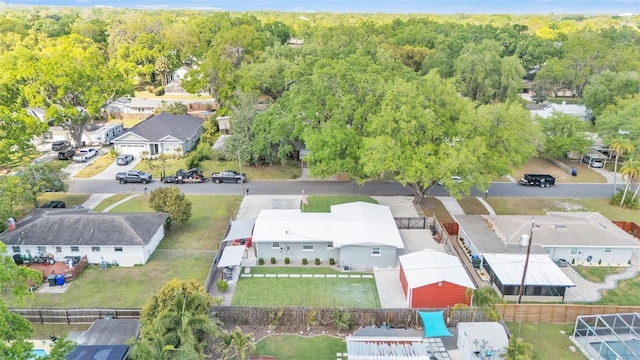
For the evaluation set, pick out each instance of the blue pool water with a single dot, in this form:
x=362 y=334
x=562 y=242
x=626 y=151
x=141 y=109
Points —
x=38 y=354
x=622 y=351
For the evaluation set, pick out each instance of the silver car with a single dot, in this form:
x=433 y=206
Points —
x=124 y=159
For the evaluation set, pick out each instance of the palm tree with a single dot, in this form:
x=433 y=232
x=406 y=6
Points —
x=184 y=330
x=162 y=67
x=630 y=170
x=241 y=343
x=151 y=346
x=619 y=145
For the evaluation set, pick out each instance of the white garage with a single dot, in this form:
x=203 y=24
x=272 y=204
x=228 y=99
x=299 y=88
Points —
x=132 y=149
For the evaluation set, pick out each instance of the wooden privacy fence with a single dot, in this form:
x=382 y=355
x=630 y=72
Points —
x=298 y=316
x=75 y=316
x=556 y=313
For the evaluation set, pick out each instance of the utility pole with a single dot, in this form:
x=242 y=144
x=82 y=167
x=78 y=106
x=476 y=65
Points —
x=526 y=262
x=241 y=180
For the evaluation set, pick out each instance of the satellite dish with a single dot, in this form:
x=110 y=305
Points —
x=524 y=240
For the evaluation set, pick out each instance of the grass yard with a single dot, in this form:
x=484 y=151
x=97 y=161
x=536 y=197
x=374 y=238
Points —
x=598 y=273
x=97 y=165
x=539 y=206
x=44 y=331
x=543 y=166
x=625 y=294
x=109 y=201
x=295 y=347
x=71 y=200
x=139 y=203
x=310 y=292
x=471 y=205
x=120 y=287
x=433 y=207
x=322 y=203
x=547 y=340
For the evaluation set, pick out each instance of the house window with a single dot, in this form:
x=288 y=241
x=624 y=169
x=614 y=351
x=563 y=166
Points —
x=95 y=248
x=42 y=249
x=330 y=245
x=167 y=148
x=75 y=249
x=16 y=249
x=607 y=250
x=275 y=245
x=574 y=251
x=117 y=249
x=48 y=135
x=59 y=249
x=375 y=251
x=307 y=246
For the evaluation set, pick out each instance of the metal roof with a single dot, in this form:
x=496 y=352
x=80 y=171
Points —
x=541 y=271
x=232 y=256
x=429 y=267
x=391 y=348
x=356 y=223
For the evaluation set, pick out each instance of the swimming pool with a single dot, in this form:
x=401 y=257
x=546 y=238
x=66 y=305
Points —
x=38 y=354
x=620 y=351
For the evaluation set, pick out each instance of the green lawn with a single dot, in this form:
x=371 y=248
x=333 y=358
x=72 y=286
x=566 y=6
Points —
x=295 y=347
x=547 y=340
x=310 y=269
x=110 y=201
x=322 y=203
x=598 y=273
x=311 y=292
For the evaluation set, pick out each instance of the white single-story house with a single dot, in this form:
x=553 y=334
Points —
x=127 y=239
x=482 y=340
x=357 y=235
x=136 y=107
x=586 y=238
x=161 y=134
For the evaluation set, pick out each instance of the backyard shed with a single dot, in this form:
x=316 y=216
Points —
x=433 y=280
x=482 y=340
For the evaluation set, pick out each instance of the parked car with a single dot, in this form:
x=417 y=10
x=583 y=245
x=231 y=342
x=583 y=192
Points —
x=124 y=159
x=456 y=180
x=85 y=154
x=60 y=145
x=228 y=176
x=133 y=176
x=56 y=204
x=66 y=154
x=562 y=262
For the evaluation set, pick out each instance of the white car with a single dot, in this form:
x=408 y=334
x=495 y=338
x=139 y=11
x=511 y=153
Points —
x=456 y=180
x=84 y=155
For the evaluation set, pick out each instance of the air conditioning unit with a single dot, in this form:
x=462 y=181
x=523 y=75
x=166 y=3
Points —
x=346 y=268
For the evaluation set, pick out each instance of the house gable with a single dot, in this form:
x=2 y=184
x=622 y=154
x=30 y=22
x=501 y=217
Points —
x=129 y=137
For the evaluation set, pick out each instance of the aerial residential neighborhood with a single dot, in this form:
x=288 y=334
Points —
x=195 y=184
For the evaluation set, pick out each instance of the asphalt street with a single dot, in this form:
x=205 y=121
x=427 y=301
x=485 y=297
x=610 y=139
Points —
x=102 y=186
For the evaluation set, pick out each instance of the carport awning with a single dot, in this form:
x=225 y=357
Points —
x=240 y=229
x=232 y=256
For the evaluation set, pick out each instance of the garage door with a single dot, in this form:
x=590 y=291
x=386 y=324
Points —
x=134 y=150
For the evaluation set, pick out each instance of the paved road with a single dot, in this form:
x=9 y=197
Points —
x=99 y=186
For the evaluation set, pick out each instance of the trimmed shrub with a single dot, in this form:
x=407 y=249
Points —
x=159 y=91
x=332 y=261
x=305 y=261
x=261 y=261
x=273 y=260
x=287 y=261
x=222 y=285
x=317 y=261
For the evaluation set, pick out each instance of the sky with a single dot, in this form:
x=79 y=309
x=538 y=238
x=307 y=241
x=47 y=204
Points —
x=587 y=7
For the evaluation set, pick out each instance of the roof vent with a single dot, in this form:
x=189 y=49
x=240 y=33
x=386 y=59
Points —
x=561 y=226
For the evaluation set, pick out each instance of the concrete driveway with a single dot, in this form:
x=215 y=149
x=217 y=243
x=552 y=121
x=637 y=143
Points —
x=111 y=170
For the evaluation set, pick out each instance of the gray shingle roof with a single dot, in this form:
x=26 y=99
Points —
x=80 y=227
x=155 y=128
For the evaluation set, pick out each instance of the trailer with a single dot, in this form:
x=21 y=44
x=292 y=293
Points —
x=542 y=180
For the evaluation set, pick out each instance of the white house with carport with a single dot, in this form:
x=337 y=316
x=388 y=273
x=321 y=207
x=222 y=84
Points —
x=586 y=238
x=127 y=239
x=357 y=235
x=164 y=133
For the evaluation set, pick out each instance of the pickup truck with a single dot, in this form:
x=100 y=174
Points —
x=228 y=176
x=133 y=176
x=83 y=155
